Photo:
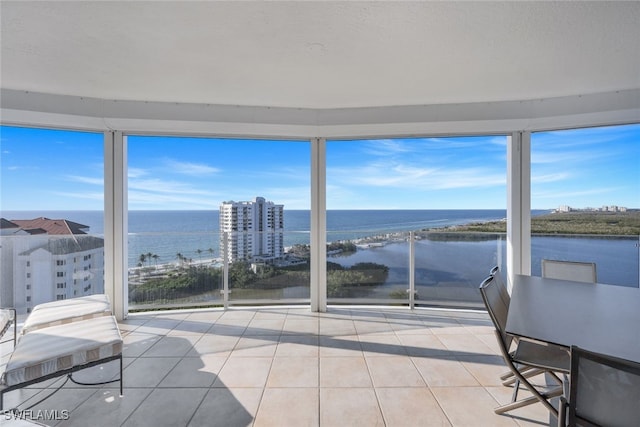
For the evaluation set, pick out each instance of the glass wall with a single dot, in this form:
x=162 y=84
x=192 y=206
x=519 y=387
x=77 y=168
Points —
x=587 y=182
x=52 y=210
x=398 y=212
x=217 y=221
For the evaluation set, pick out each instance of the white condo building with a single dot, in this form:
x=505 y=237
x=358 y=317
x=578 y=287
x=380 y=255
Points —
x=45 y=260
x=252 y=231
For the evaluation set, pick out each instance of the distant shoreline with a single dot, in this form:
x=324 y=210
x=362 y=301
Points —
x=580 y=222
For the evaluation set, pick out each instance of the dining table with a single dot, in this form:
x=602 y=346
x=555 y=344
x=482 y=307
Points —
x=599 y=317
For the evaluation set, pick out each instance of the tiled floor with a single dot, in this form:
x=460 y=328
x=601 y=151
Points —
x=282 y=366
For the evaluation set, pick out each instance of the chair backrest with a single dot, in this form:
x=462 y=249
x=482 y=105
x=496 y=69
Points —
x=496 y=300
x=569 y=270
x=604 y=390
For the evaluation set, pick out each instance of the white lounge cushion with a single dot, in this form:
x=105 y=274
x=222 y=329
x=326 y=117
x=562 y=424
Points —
x=66 y=311
x=49 y=350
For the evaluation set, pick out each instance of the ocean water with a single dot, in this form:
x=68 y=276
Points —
x=167 y=233
x=195 y=235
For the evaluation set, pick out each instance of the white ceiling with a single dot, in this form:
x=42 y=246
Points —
x=320 y=54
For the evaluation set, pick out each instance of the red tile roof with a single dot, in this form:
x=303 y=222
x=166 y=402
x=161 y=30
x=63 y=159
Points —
x=44 y=225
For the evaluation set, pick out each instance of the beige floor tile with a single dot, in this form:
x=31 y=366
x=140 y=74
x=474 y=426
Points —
x=236 y=317
x=394 y=371
x=136 y=343
x=310 y=370
x=444 y=372
x=108 y=407
x=288 y=407
x=191 y=327
x=274 y=313
x=465 y=343
x=194 y=372
x=336 y=327
x=206 y=316
x=386 y=345
x=166 y=407
x=256 y=346
x=148 y=371
x=227 y=330
x=293 y=372
x=67 y=399
x=412 y=326
x=264 y=327
x=412 y=406
x=244 y=372
x=372 y=326
x=158 y=326
x=422 y=345
x=470 y=406
x=224 y=407
x=486 y=369
x=219 y=345
x=344 y=372
x=297 y=345
x=172 y=346
x=490 y=341
x=129 y=325
x=304 y=326
x=349 y=407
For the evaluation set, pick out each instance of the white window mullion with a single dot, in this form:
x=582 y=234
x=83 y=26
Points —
x=115 y=222
x=518 y=204
x=318 y=238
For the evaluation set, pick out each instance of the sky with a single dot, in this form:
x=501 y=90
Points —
x=44 y=169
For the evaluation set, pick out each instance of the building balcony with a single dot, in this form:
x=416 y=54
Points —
x=288 y=366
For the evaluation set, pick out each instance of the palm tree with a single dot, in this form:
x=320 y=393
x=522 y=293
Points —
x=199 y=252
x=142 y=259
x=210 y=250
x=180 y=257
x=155 y=258
x=149 y=256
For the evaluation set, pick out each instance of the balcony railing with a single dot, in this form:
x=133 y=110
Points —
x=410 y=269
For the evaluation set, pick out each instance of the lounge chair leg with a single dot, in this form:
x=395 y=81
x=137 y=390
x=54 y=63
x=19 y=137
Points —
x=529 y=401
x=121 y=391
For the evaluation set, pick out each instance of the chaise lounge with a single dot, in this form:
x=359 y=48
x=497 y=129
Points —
x=62 y=337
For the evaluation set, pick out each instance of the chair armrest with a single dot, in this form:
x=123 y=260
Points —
x=562 y=411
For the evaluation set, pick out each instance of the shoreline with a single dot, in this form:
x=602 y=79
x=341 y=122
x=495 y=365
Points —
x=571 y=223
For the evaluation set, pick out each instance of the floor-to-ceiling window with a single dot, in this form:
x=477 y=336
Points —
x=397 y=218
x=52 y=210
x=587 y=181
x=217 y=221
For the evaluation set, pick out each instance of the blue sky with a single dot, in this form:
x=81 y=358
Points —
x=63 y=170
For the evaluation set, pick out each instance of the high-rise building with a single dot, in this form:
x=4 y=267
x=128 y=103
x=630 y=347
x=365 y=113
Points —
x=46 y=259
x=252 y=231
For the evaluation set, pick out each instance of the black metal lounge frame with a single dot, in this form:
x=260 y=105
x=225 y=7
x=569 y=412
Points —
x=63 y=372
x=6 y=328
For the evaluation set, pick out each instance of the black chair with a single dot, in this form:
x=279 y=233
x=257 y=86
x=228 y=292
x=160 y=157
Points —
x=604 y=391
x=526 y=355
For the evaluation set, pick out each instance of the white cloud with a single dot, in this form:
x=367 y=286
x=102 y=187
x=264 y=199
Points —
x=550 y=177
x=83 y=195
x=411 y=177
x=189 y=168
x=85 y=179
x=136 y=172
